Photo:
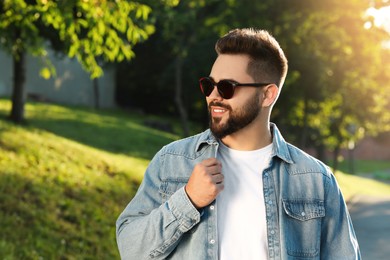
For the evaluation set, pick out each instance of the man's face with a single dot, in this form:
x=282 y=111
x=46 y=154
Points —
x=228 y=116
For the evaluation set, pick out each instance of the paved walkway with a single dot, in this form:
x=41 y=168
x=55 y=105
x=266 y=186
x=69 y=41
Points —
x=371 y=220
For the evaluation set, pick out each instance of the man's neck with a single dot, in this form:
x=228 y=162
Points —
x=252 y=137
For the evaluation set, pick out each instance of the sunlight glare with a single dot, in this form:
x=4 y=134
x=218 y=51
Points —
x=381 y=17
x=381 y=20
x=367 y=25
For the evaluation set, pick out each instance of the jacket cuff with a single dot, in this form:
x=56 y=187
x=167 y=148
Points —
x=183 y=210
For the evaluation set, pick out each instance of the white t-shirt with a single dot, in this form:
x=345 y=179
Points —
x=241 y=221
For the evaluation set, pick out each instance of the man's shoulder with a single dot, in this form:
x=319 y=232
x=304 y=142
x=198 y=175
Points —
x=189 y=145
x=305 y=163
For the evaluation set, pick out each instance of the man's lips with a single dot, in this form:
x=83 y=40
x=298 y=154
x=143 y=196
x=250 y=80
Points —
x=217 y=111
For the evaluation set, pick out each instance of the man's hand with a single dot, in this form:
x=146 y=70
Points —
x=205 y=183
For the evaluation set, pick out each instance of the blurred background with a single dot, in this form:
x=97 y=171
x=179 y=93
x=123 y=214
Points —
x=91 y=89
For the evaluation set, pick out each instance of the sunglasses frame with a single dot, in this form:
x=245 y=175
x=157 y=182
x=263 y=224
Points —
x=233 y=84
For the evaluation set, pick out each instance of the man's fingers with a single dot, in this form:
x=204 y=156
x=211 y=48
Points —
x=218 y=178
x=210 y=162
x=213 y=170
x=205 y=183
x=220 y=186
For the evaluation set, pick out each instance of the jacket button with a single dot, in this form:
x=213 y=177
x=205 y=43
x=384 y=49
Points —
x=303 y=214
x=212 y=241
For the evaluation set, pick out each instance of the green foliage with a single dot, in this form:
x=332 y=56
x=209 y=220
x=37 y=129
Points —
x=337 y=88
x=185 y=34
x=65 y=178
x=17 y=27
x=342 y=70
x=107 y=30
x=92 y=31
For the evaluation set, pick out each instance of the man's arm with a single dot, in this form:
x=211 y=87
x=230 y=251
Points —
x=147 y=228
x=338 y=239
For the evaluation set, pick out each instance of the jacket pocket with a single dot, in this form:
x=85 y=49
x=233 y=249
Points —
x=170 y=186
x=302 y=227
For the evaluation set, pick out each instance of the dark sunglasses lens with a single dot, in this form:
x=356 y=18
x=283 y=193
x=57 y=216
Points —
x=225 y=89
x=207 y=86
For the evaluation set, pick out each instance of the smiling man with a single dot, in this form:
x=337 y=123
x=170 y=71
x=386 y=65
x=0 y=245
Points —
x=238 y=190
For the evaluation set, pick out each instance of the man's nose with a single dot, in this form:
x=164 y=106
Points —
x=214 y=95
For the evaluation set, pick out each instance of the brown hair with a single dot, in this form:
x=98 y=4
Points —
x=268 y=62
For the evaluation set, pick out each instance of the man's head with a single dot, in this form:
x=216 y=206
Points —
x=267 y=60
x=255 y=59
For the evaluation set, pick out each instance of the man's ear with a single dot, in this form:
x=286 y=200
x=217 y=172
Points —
x=270 y=94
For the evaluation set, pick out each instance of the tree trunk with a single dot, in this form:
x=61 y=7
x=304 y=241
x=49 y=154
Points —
x=321 y=152
x=178 y=95
x=303 y=135
x=18 y=91
x=336 y=153
x=96 y=92
x=351 y=161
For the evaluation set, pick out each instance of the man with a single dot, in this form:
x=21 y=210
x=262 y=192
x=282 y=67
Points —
x=238 y=190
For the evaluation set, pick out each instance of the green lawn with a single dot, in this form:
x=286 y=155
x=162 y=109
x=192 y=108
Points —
x=372 y=178
x=377 y=169
x=352 y=185
x=67 y=174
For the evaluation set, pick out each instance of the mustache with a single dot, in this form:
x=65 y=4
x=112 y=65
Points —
x=219 y=104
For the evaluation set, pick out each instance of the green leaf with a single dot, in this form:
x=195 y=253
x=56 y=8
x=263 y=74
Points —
x=45 y=73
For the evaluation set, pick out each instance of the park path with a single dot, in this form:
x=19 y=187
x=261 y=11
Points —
x=371 y=220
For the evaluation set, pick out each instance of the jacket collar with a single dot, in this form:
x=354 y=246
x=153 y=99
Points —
x=279 y=145
x=206 y=138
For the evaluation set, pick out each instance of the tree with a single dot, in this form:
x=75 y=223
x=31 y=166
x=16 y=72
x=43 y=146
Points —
x=92 y=30
x=342 y=73
x=184 y=26
x=336 y=64
x=173 y=59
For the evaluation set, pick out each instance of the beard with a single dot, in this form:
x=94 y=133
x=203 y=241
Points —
x=237 y=119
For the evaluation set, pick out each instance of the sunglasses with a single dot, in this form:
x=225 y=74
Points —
x=225 y=87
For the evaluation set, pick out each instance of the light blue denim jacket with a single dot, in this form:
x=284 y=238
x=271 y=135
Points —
x=306 y=214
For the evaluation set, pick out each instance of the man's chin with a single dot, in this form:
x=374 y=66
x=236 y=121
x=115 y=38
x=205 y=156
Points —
x=219 y=131
x=216 y=120
x=217 y=125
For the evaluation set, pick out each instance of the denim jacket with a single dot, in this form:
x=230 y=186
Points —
x=306 y=215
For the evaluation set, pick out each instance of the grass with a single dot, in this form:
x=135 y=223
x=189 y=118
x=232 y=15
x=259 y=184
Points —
x=372 y=178
x=67 y=174
x=377 y=169
x=364 y=166
x=352 y=185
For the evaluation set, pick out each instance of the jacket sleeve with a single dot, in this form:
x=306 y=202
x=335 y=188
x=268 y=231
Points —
x=338 y=239
x=150 y=228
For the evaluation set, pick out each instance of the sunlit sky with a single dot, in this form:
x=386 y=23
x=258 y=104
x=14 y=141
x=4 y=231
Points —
x=382 y=17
